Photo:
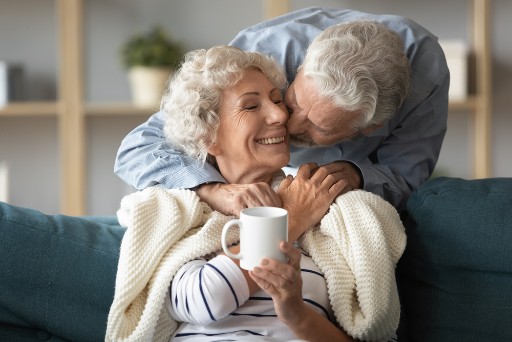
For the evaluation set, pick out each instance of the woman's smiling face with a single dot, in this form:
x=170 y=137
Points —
x=252 y=140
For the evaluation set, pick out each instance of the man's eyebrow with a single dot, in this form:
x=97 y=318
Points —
x=320 y=129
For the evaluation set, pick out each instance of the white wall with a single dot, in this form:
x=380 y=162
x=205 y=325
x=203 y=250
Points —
x=27 y=35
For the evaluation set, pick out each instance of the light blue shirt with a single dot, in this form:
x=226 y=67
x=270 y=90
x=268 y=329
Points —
x=394 y=159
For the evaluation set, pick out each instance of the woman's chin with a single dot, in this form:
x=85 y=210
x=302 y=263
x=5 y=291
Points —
x=279 y=163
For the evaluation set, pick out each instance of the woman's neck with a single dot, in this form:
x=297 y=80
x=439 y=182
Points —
x=233 y=174
x=249 y=177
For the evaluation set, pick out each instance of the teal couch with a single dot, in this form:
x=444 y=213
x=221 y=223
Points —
x=455 y=277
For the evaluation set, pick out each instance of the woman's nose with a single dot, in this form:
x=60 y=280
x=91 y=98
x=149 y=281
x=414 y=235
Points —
x=278 y=115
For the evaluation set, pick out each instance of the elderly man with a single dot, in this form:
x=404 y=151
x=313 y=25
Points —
x=368 y=100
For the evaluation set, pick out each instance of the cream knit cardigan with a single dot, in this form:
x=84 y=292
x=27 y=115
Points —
x=356 y=246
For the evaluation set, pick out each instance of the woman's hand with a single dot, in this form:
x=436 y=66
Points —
x=230 y=199
x=283 y=282
x=307 y=197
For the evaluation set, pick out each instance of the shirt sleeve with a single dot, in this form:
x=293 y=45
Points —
x=410 y=148
x=204 y=292
x=408 y=156
x=145 y=158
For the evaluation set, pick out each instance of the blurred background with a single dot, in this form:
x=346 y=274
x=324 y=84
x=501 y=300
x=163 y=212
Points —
x=39 y=137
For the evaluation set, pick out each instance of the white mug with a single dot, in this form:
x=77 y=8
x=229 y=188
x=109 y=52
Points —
x=261 y=231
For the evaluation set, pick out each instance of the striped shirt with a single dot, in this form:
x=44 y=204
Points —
x=212 y=300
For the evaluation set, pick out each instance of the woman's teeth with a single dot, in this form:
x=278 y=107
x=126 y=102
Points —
x=269 y=141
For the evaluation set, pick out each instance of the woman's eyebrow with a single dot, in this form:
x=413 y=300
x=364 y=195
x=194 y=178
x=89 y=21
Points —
x=249 y=93
x=274 y=90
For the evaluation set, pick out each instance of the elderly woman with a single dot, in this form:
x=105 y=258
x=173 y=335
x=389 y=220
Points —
x=225 y=106
x=241 y=129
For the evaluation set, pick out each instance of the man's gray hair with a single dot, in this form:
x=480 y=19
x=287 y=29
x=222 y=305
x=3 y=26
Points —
x=361 y=66
x=192 y=100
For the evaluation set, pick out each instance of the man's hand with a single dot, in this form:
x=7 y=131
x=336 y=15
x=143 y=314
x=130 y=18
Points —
x=308 y=196
x=347 y=171
x=230 y=199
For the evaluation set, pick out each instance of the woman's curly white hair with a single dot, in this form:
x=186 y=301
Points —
x=192 y=100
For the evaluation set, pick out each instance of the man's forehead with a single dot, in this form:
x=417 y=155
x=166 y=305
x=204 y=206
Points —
x=304 y=92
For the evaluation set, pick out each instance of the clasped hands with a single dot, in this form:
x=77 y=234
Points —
x=307 y=196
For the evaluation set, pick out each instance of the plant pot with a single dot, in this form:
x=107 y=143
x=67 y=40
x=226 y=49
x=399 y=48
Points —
x=148 y=85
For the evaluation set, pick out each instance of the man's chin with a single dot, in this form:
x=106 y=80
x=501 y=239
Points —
x=302 y=141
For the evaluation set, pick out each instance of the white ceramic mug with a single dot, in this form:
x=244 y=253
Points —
x=261 y=231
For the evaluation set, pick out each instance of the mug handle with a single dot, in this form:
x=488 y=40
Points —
x=225 y=230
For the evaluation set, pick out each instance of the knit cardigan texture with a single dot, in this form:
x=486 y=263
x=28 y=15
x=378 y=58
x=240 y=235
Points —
x=357 y=246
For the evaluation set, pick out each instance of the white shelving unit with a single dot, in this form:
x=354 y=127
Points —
x=71 y=110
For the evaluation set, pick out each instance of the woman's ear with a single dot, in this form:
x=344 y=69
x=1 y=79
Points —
x=214 y=150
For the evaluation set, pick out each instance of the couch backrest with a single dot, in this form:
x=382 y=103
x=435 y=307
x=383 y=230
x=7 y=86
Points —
x=455 y=277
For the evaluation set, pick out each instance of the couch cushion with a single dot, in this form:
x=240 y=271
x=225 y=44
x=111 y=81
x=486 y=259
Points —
x=61 y=274
x=455 y=276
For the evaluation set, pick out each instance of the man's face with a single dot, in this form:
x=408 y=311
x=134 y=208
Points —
x=316 y=120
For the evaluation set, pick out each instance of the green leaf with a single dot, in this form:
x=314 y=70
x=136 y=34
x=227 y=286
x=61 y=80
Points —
x=153 y=48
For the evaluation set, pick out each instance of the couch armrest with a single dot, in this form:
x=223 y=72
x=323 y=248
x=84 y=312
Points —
x=455 y=277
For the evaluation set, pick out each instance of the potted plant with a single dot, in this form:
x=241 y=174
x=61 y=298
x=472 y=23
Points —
x=150 y=59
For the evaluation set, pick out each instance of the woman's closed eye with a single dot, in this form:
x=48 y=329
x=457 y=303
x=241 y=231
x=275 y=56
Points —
x=251 y=107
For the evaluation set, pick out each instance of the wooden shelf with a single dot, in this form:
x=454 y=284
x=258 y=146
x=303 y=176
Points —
x=468 y=104
x=28 y=109
x=118 y=109
x=34 y=109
